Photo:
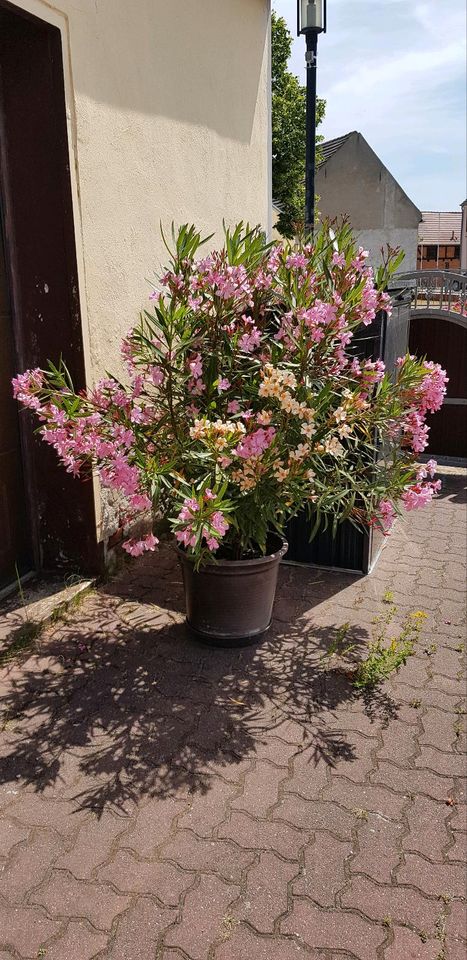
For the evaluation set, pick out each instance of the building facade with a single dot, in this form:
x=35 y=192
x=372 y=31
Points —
x=352 y=181
x=439 y=240
x=115 y=116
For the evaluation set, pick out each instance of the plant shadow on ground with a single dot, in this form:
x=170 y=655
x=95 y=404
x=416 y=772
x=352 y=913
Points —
x=454 y=487
x=122 y=703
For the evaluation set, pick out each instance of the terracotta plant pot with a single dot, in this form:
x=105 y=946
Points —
x=229 y=603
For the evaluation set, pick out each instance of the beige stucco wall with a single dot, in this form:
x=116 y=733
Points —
x=169 y=119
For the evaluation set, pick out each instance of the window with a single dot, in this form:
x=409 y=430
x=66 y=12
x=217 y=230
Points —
x=457 y=252
x=431 y=253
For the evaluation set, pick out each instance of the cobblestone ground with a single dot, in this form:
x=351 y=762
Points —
x=164 y=800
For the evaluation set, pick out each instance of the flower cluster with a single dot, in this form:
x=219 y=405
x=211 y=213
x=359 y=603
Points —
x=246 y=399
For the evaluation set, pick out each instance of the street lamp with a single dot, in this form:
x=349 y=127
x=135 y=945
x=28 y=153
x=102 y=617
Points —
x=311 y=20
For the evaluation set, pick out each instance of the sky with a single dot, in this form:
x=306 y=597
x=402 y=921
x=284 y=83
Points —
x=395 y=71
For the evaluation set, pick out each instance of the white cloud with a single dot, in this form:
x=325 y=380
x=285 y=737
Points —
x=395 y=71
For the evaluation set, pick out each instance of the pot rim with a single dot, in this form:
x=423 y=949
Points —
x=265 y=560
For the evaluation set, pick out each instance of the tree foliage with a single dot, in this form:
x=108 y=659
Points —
x=288 y=132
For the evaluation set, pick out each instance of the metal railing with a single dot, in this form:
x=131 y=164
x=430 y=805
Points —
x=440 y=292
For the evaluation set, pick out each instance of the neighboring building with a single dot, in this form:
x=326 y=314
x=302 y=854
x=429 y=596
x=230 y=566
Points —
x=439 y=240
x=464 y=237
x=116 y=115
x=352 y=181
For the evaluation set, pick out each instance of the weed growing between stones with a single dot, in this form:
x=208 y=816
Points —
x=386 y=654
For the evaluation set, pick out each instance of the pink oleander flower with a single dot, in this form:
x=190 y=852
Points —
x=140 y=501
x=196 y=367
x=137 y=547
x=426 y=470
x=420 y=494
x=249 y=341
x=338 y=259
x=296 y=261
x=219 y=523
x=255 y=444
x=433 y=388
x=233 y=406
x=223 y=384
x=156 y=375
x=196 y=387
x=387 y=514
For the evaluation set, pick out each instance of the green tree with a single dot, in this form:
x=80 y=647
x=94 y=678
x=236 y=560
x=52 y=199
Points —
x=288 y=132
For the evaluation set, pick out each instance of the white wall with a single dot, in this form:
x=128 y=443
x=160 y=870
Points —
x=404 y=237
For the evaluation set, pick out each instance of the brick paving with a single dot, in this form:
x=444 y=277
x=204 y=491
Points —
x=160 y=800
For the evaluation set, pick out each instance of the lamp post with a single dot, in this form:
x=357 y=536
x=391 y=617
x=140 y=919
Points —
x=311 y=20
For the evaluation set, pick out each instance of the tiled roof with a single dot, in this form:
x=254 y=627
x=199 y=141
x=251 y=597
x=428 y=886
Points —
x=329 y=147
x=440 y=226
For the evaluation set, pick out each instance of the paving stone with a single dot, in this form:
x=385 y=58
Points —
x=206 y=917
x=456 y=923
x=153 y=825
x=308 y=777
x=366 y=797
x=265 y=897
x=315 y=816
x=32 y=810
x=323 y=873
x=215 y=856
x=78 y=943
x=407 y=945
x=334 y=930
x=275 y=750
x=63 y=896
x=244 y=944
x=428 y=831
x=162 y=880
x=209 y=809
x=402 y=904
x=378 y=853
x=29 y=864
x=10 y=834
x=459 y=849
x=454 y=949
x=435 y=879
x=408 y=781
x=261 y=789
x=139 y=931
x=399 y=742
x=263 y=835
x=92 y=846
x=25 y=929
x=446 y=764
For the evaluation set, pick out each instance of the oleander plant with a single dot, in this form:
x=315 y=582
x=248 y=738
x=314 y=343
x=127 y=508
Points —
x=245 y=400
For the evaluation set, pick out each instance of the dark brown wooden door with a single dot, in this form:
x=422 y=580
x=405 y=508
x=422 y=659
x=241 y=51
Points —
x=445 y=342
x=15 y=542
x=40 y=252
